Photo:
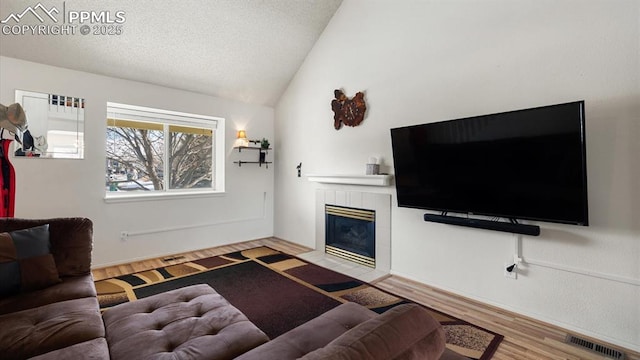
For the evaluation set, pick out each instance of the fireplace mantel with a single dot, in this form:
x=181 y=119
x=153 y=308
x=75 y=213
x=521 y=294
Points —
x=366 y=180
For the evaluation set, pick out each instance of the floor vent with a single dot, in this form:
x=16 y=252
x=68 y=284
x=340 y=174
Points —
x=173 y=258
x=608 y=352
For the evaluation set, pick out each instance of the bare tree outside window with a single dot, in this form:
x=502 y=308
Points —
x=136 y=156
x=190 y=158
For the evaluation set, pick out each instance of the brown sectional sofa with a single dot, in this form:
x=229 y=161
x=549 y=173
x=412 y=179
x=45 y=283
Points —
x=63 y=321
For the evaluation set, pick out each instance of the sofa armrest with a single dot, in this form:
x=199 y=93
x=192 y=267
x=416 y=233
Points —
x=404 y=332
x=71 y=241
x=311 y=335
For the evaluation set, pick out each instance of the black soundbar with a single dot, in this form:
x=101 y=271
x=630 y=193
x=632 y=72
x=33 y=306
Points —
x=524 y=229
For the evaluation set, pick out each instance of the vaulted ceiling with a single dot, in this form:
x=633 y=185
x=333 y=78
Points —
x=246 y=50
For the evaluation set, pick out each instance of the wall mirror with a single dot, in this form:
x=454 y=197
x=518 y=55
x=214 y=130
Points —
x=55 y=126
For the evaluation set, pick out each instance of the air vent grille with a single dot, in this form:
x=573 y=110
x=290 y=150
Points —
x=596 y=348
x=173 y=258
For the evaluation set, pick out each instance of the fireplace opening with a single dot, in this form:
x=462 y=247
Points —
x=350 y=234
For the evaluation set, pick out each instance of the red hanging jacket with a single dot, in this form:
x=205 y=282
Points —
x=7 y=181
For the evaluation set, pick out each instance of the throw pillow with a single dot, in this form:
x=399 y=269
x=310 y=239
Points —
x=26 y=262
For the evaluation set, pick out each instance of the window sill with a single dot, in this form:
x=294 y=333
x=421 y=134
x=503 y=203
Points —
x=128 y=197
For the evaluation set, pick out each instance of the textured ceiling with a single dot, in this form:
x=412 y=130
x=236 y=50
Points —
x=246 y=50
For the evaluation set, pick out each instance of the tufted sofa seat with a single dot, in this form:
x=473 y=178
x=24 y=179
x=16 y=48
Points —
x=52 y=326
x=187 y=323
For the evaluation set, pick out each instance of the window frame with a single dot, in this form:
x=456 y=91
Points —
x=168 y=118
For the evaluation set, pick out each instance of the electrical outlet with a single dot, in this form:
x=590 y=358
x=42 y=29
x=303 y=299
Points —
x=511 y=275
x=124 y=235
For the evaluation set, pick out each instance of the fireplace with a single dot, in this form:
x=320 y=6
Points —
x=350 y=234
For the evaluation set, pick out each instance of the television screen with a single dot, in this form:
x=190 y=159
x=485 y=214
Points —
x=524 y=164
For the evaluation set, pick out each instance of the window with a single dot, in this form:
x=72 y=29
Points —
x=158 y=152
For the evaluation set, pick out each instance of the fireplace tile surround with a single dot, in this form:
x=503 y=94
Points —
x=378 y=202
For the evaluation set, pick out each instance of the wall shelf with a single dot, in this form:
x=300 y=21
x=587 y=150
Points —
x=347 y=179
x=254 y=162
x=262 y=154
x=240 y=148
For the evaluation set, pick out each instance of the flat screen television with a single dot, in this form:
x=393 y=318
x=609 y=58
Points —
x=525 y=164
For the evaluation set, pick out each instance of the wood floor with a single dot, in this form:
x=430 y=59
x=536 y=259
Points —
x=525 y=338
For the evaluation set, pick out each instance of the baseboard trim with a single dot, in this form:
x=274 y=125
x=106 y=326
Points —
x=565 y=327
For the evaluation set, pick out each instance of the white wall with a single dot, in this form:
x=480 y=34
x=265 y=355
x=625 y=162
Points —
x=424 y=61
x=51 y=188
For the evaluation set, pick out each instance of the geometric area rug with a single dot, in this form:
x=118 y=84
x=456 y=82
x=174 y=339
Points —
x=278 y=292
